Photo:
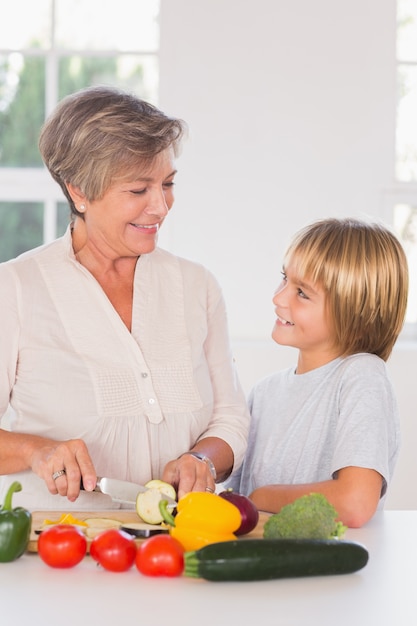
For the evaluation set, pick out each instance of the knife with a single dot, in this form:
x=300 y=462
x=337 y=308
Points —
x=123 y=491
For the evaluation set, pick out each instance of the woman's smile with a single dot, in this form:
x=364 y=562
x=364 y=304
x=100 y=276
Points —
x=149 y=229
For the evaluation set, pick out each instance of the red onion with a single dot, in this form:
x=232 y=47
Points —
x=248 y=511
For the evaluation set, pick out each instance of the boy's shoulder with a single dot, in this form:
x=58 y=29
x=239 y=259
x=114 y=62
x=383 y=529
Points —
x=273 y=379
x=363 y=361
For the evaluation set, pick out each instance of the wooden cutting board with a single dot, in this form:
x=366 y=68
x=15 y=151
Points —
x=124 y=516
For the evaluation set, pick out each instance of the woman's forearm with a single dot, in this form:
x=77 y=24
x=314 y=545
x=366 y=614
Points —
x=16 y=450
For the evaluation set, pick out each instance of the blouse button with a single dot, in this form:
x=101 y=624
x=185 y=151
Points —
x=144 y=374
x=151 y=401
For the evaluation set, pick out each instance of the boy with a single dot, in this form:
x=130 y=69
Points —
x=331 y=424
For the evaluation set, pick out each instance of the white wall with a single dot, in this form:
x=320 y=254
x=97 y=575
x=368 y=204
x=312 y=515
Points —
x=291 y=109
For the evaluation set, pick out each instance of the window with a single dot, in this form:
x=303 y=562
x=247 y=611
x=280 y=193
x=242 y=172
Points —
x=402 y=202
x=61 y=46
x=406 y=135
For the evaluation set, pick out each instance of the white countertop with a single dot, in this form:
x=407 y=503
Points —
x=383 y=593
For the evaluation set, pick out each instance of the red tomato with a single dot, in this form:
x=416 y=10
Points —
x=160 y=555
x=114 y=549
x=62 y=546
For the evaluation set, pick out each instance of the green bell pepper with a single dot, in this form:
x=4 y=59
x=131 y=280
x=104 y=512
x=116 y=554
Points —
x=15 y=525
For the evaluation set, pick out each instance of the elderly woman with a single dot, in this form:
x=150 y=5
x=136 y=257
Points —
x=115 y=355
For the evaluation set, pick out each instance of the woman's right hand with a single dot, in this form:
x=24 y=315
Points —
x=62 y=465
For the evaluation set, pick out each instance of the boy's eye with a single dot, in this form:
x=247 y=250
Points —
x=302 y=294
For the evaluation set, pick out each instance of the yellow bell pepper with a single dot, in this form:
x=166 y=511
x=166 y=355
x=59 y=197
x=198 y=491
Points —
x=202 y=518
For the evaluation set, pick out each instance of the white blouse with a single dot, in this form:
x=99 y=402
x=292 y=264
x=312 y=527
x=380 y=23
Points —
x=71 y=369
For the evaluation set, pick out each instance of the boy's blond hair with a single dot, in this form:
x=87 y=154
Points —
x=363 y=270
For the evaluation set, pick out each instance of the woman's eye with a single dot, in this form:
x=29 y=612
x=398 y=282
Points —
x=302 y=294
x=168 y=185
x=139 y=192
x=284 y=276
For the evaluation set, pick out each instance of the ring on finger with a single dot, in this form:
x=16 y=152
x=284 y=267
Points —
x=209 y=489
x=57 y=474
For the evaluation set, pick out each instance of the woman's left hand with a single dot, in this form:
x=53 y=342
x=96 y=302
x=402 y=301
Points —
x=187 y=473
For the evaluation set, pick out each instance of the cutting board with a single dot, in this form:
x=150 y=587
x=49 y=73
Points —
x=123 y=516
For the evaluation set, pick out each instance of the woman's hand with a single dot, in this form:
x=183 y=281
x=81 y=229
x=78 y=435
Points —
x=62 y=464
x=187 y=473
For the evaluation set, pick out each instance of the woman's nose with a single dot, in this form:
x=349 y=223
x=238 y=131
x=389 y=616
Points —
x=158 y=204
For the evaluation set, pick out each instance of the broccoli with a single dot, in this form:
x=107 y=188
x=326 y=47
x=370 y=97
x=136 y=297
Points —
x=309 y=517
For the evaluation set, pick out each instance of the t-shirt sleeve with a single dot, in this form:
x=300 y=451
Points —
x=367 y=431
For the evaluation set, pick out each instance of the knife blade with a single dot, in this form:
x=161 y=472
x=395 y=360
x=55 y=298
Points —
x=123 y=491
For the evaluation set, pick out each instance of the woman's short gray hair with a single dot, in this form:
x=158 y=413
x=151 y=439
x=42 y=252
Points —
x=99 y=134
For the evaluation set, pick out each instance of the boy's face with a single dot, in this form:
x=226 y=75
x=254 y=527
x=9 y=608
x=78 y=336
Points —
x=303 y=321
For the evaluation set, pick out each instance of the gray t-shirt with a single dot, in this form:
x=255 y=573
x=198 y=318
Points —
x=306 y=427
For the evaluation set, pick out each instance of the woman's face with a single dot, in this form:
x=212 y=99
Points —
x=126 y=220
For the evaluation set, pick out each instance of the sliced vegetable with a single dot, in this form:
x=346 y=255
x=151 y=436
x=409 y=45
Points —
x=91 y=526
x=265 y=559
x=97 y=525
x=165 y=488
x=147 y=502
x=102 y=522
x=147 y=506
x=160 y=556
x=138 y=529
x=65 y=518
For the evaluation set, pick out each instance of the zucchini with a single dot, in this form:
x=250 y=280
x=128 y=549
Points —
x=266 y=559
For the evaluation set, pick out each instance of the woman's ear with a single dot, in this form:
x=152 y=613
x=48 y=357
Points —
x=77 y=196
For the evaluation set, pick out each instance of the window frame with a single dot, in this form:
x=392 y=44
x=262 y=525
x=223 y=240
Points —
x=38 y=184
x=402 y=191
